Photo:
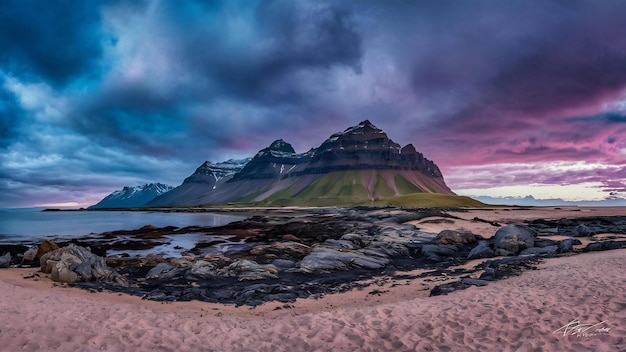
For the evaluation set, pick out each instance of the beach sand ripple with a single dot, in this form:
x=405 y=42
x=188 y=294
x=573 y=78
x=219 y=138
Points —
x=518 y=314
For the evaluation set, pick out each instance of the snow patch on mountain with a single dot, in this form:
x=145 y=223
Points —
x=131 y=197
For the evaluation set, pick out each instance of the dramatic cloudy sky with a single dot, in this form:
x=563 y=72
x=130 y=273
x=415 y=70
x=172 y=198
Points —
x=509 y=98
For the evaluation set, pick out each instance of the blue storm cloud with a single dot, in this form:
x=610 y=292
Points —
x=101 y=94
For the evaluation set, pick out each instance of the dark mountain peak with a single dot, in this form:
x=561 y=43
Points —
x=363 y=125
x=365 y=128
x=280 y=145
x=367 y=147
x=271 y=162
x=204 y=169
x=362 y=138
x=209 y=172
x=408 y=150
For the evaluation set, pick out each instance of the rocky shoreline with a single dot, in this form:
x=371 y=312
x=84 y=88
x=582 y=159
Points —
x=289 y=253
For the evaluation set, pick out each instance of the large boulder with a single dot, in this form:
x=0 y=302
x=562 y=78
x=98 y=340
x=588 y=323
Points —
x=455 y=237
x=74 y=263
x=512 y=239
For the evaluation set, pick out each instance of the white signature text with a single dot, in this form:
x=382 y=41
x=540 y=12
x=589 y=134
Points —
x=578 y=329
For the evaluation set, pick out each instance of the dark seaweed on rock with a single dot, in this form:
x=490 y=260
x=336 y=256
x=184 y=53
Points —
x=289 y=254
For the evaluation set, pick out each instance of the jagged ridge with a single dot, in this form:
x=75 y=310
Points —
x=357 y=165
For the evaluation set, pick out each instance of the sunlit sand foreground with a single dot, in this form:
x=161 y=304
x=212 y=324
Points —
x=575 y=303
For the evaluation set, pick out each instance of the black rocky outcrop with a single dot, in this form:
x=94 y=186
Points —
x=366 y=147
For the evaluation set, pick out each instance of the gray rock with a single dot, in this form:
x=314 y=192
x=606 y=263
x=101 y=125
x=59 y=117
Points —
x=162 y=271
x=567 y=245
x=246 y=270
x=437 y=252
x=5 y=260
x=30 y=254
x=512 y=239
x=74 y=263
x=455 y=237
x=482 y=250
x=369 y=262
x=406 y=234
x=582 y=231
x=387 y=249
x=328 y=259
x=283 y=263
x=62 y=273
x=539 y=250
x=201 y=270
x=289 y=248
x=91 y=268
x=325 y=259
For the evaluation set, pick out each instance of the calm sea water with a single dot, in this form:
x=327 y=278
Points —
x=33 y=225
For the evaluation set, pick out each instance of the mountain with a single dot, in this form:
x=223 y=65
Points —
x=206 y=178
x=132 y=197
x=212 y=173
x=357 y=166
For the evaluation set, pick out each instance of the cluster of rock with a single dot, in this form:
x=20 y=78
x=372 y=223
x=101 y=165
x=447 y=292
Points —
x=67 y=264
x=524 y=244
x=288 y=257
x=74 y=263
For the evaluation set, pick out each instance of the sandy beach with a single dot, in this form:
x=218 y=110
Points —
x=526 y=313
x=571 y=303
